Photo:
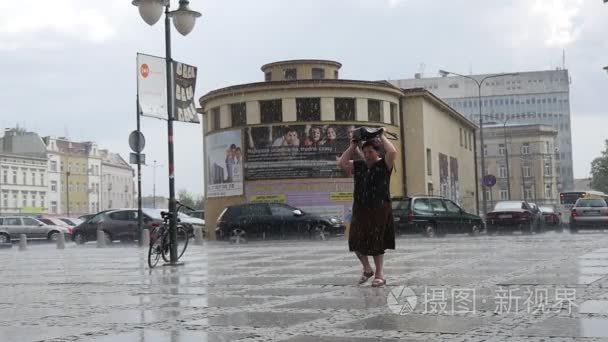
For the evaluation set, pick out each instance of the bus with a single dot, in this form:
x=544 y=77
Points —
x=568 y=199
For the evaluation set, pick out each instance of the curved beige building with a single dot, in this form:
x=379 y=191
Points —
x=279 y=140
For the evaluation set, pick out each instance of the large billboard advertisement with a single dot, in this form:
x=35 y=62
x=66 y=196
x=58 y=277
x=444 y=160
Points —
x=297 y=151
x=224 y=163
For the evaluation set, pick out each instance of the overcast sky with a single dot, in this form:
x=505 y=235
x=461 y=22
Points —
x=68 y=66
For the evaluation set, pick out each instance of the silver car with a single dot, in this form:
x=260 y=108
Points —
x=589 y=213
x=11 y=227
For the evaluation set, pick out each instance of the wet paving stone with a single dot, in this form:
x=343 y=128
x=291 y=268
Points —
x=342 y=303
x=215 y=301
x=263 y=319
x=36 y=333
x=249 y=281
x=568 y=327
x=417 y=323
x=594 y=307
x=285 y=292
x=171 y=336
x=550 y=279
x=346 y=339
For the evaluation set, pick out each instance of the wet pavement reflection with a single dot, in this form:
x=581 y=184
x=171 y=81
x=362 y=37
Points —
x=307 y=291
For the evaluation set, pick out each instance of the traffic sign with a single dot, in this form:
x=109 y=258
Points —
x=137 y=141
x=489 y=180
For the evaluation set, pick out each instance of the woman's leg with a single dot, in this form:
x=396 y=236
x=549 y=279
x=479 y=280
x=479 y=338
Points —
x=379 y=262
x=367 y=267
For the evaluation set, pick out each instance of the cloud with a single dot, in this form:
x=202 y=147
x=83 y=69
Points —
x=22 y=21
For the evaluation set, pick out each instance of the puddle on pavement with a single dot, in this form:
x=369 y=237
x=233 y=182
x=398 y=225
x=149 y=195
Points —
x=141 y=316
x=216 y=301
x=260 y=319
x=343 y=303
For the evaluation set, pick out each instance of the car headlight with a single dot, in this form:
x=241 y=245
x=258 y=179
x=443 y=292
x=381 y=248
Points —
x=333 y=220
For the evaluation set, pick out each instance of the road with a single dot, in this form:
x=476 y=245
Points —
x=499 y=288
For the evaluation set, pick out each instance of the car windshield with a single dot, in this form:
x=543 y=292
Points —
x=508 y=206
x=546 y=209
x=591 y=203
x=400 y=204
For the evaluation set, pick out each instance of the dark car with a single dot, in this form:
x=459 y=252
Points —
x=264 y=220
x=589 y=213
x=118 y=225
x=433 y=216
x=197 y=213
x=552 y=218
x=508 y=216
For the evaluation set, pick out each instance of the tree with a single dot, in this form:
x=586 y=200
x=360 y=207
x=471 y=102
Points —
x=599 y=171
x=188 y=199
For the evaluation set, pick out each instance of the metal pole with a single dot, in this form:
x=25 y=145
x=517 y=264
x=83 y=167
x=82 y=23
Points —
x=483 y=157
x=475 y=149
x=169 y=61
x=154 y=186
x=507 y=161
x=67 y=185
x=139 y=212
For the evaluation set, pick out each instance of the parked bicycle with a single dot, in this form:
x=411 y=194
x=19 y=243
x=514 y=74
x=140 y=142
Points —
x=160 y=243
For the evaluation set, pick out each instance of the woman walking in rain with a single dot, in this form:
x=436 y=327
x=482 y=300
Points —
x=371 y=230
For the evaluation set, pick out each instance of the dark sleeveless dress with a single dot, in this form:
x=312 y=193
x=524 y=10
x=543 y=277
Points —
x=371 y=230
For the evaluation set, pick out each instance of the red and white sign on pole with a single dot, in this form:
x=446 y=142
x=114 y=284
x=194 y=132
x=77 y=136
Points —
x=152 y=86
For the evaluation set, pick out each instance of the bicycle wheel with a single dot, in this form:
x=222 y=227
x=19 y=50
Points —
x=154 y=252
x=182 y=244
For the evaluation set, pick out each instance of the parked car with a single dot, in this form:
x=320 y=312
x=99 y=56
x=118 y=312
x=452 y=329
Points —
x=86 y=217
x=11 y=227
x=589 y=213
x=433 y=216
x=51 y=221
x=71 y=221
x=198 y=214
x=552 y=218
x=514 y=215
x=120 y=224
x=274 y=220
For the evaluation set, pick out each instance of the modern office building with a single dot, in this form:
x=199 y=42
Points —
x=538 y=97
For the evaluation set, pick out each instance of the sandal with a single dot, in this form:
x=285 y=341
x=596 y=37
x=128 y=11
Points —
x=378 y=282
x=365 y=277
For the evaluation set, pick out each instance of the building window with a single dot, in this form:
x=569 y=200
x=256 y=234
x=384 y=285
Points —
x=53 y=165
x=271 y=111
x=502 y=171
x=308 y=109
x=5 y=177
x=485 y=150
x=527 y=193
x=504 y=195
x=461 y=144
x=42 y=201
x=291 y=74
x=548 y=191
x=429 y=162
x=394 y=114
x=318 y=73
x=24 y=178
x=24 y=199
x=54 y=207
x=33 y=178
x=42 y=179
x=470 y=141
x=429 y=189
x=525 y=148
x=54 y=186
x=345 y=109
x=239 y=114
x=215 y=118
x=336 y=74
x=501 y=149
x=548 y=168
x=374 y=110
x=527 y=172
x=268 y=76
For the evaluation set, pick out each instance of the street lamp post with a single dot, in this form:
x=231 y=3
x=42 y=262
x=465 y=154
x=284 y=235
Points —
x=482 y=155
x=67 y=186
x=183 y=20
x=154 y=183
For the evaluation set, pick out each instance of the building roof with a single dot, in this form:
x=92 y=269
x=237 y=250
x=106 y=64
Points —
x=114 y=159
x=302 y=61
x=19 y=142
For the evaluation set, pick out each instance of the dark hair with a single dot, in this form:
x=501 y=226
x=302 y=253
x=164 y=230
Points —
x=373 y=144
x=287 y=129
x=232 y=147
